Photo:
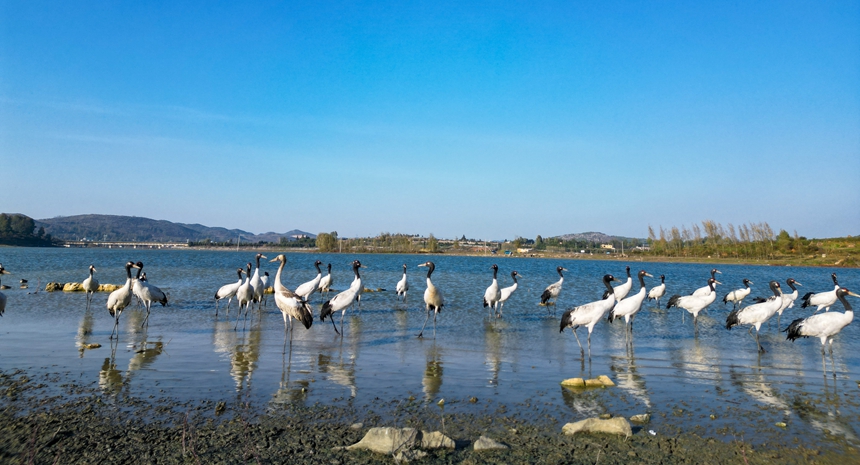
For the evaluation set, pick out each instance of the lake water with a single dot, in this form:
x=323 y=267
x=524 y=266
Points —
x=513 y=364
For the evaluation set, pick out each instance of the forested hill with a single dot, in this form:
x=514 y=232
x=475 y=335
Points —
x=134 y=228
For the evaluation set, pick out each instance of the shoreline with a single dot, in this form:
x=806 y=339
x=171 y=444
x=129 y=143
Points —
x=87 y=425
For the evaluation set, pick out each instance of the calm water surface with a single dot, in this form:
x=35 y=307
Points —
x=680 y=376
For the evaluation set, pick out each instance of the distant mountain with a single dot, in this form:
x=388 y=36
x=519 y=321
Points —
x=134 y=228
x=596 y=237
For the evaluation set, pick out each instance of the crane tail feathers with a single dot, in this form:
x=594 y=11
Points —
x=307 y=315
x=544 y=298
x=732 y=319
x=673 y=301
x=806 y=299
x=793 y=330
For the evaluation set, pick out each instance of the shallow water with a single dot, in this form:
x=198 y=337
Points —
x=511 y=365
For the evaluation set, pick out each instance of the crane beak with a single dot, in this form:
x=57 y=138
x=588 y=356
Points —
x=274 y=259
x=751 y=282
x=717 y=282
x=520 y=276
x=853 y=294
x=564 y=269
x=649 y=275
x=4 y=272
x=719 y=272
x=801 y=285
x=263 y=256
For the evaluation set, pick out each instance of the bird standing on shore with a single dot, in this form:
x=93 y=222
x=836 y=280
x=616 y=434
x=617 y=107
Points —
x=119 y=299
x=2 y=295
x=737 y=296
x=432 y=299
x=402 y=286
x=589 y=314
x=756 y=314
x=228 y=291
x=507 y=291
x=90 y=285
x=553 y=290
x=822 y=299
x=658 y=291
x=493 y=294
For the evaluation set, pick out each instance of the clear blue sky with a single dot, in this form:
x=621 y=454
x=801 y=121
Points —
x=492 y=120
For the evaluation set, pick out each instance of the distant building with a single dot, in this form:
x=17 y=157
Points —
x=300 y=236
x=607 y=246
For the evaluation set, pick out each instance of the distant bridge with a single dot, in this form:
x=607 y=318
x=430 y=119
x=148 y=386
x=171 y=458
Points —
x=126 y=244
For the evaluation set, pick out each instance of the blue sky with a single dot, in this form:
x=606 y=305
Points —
x=490 y=120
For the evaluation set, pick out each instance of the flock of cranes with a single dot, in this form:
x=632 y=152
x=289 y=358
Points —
x=616 y=301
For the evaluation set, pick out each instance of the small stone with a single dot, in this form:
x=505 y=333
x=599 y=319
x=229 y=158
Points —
x=387 y=440
x=220 y=407
x=411 y=398
x=641 y=418
x=574 y=382
x=473 y=399
x=713 y=417
x=436 y=440
x=441 y=403
x=94 y=345
x=485 y=443
x=605 y=416
x=781 y=424
x=356 y=426
x=617 y=425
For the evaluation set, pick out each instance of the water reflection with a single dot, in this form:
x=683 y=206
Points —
x=85 y=330
x=290 y=392
x=628 y=379
x=431 y=382
x=494 y=332
x=583 y=402
x=338 y=370
x=760 y=389
x=110 y=379
x=241 y=347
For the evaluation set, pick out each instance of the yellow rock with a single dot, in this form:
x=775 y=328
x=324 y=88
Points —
x=73 y=287
x=108 y=287
x=51 y=287
x=269 y=290
x=593 y=383
x=94 y=345
x=605 y=380
x=574 y=382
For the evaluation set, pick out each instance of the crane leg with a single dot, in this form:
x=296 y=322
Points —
x=436 y=313
x=333 y=325
x=581 y=350
x=760 y=348
x=342 y=314
x=421 y=334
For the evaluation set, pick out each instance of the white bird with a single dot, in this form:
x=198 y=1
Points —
x=623 y=289
x=402 y=285
x=756 y=314
x=325 y=282
x=432 y=299
x=265 y=280
x=507 y=291
x=147 y=293
x=822 y=299
x=658 y=291
x=358 y=284
x=552 y=291
x=305 y=290
x=291 y=304
x=825 y=325
x=257 y=282
x=119 y=299
x=90 y=285
x=694 y=303
x=628 y=307
x=228 y=291
x=737 y=296
x=589 y=314
x=341 y=301
x=703 y=291
x=244 y=296
x=493 y=294
x=787 y=299
x=2 y=295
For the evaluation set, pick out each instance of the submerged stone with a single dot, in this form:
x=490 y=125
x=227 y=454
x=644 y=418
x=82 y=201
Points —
x=485 y=443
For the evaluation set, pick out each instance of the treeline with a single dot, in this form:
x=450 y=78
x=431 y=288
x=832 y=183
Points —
x=17 y=229
x=711 y=239
x=383 y=243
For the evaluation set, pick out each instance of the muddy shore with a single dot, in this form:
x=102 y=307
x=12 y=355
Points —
x=56 y=421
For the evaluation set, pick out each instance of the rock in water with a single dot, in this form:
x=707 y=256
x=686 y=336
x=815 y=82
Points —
x=436 y=440
x=387 y=440
x=641 y=418
x=617 y=425
x=485 y=443
x=73 y=287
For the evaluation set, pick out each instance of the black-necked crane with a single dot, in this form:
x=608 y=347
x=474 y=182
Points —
x=244 y=297
x=755 y=315
x=342 y=300
x=402 y=286
x=148 y=293
x=825 y=325
x=305 y=290
x=90 y=285
x=266 y=280
x=291 y=304
x=228 y=291
x=2 y=295
x=694 y=303
x=737 y=296
x=622 y=289
x=589 y=314
x=493 y=293
x=704 y=290
x=119 y=299
x=326 y=282
x=628 y=307
x=822 y=299
x=553 y=290
x=658 y=291
x=432 y=299
x=507 y=291
x=787 y=299
x=257 y=282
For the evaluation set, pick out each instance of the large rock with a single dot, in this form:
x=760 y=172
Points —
x=388 y=440
x=485 y=443
x=406 y=456
x=617 y=425
x=51 y=287
x=73 y=287
x=436 y=440
x=108 y=287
